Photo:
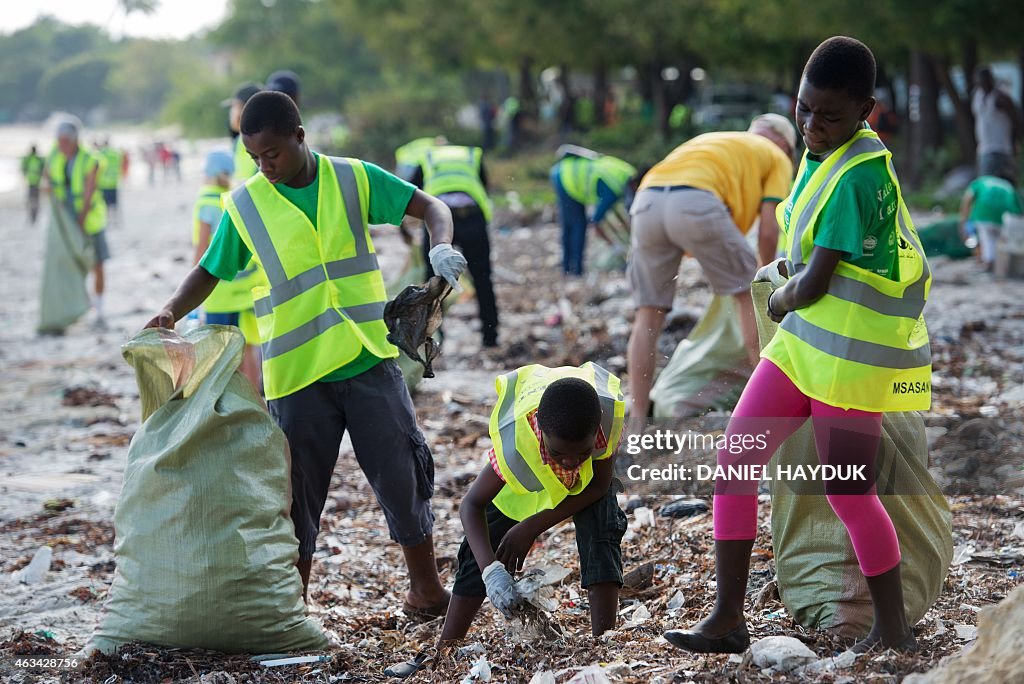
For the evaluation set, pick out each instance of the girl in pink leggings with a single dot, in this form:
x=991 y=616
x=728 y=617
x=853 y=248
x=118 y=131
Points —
x=851 y=345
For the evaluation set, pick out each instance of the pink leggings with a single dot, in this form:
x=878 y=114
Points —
x=771 y=409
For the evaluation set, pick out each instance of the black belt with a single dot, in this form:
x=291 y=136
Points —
x=670 y=188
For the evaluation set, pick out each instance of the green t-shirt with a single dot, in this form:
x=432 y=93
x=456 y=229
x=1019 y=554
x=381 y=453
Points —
x=389 y=197
x=993 y=197
x=859 y=218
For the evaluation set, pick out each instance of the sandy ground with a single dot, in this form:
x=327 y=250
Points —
x=70 y=406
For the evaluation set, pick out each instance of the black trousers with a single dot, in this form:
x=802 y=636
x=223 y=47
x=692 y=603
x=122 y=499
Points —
x=471 y=237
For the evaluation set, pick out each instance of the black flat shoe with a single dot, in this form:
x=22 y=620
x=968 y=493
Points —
x=736 y=641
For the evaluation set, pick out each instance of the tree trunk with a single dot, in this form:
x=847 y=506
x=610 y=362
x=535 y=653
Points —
x=527 y=91
x=567 y=112
x=924 y=130
x=601 y=89
x=962 y=108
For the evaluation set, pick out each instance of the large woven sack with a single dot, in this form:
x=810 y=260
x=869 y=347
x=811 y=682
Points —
x=205 y=546
x=63 y=297
x=708 y=369
x=819 y=579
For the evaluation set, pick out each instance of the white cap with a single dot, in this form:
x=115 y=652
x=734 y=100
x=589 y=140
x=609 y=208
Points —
x=69 y=127
x=779 y=125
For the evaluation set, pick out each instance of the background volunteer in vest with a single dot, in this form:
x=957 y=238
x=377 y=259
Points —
x=230 y=303
x=455 y=175
x=851 y=344
x=595 y=180
x=998 y=127
x=32 y=169
x=701 y=200
x=982 y=207
x=245 y=167
x=572 y=421
x=110 y=178
x=72 y=173
x=327 y=364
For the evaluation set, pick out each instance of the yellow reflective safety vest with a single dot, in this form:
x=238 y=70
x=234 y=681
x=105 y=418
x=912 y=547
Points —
x=326 y=297
x=453 y=168
x=580 y=175
x=111 y=174
x=245 y=167
x=864 y=344
x=229 y=296
x=530 y=484
x=85 y=162
x=32 y=167
x=409 y=157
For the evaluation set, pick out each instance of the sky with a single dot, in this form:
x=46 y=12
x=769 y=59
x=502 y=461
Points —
x=172 y=19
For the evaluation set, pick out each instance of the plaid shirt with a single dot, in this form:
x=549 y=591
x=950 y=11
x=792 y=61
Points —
x=567 y=476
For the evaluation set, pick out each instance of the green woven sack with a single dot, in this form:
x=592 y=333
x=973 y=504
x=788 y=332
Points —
x=205 y=546
x=819 y=579
x=708 y=369
x=69 y=257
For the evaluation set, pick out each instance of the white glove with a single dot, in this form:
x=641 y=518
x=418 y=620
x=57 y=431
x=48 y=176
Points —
x=447 y=263
x=501 y=589
x=771 y=273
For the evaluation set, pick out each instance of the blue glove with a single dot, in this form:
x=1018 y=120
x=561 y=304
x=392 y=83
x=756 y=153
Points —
x=448 y=264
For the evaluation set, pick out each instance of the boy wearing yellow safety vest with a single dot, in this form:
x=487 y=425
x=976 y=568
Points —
x=455 y=175
x=594 y=180
x=327 y=363
x=852 y=343
x=230 y=303
x=109 y=179
x=32 y=169
x=72 y=172
x=555 y=432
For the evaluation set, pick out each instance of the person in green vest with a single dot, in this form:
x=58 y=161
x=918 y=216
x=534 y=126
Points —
x=32 y=169
x=555 y=432
x=583 y=178
x=327 y=364
x=72 y=173
x=108 y=181
x=984 y=203
x=456 y=176
x=230 y=303
x=851 y=344
x=245 y=167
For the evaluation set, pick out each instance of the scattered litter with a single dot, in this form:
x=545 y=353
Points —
x=593 y=674
x=684 y=508
x=966 y=632
x=642 y=517
x=676 y=602
x=36 y=570
x=475 y=648
x=1004 y=557
x=543 y=677
x=962 y=553
x=296 y=660
x=781 y=653
x=480 y=672
x=413 y=316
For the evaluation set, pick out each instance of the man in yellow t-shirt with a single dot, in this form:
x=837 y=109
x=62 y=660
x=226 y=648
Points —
x=701 y=200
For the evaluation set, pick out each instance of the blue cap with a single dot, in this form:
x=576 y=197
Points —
x=218 y=162
x=284 y=81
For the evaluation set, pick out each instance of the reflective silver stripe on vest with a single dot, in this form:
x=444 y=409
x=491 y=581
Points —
x=917 y=289
x=257 y=230
x=862 y=146
x=863 y=294
x=350 y=194
x=868 y=353
x=507 y=434
x=293 y=339
x=305 y=281
x=601 y=378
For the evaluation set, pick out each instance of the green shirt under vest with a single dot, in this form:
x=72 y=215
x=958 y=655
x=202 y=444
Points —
x=859 y=219
x=389 y=197
x=992 y=198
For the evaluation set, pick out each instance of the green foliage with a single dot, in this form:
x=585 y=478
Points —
x=195 y=105
x=77 y=83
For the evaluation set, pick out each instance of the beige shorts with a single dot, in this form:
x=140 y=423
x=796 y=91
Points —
x=667 y=223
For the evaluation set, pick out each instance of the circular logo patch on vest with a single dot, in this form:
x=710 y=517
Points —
x=870 y=242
